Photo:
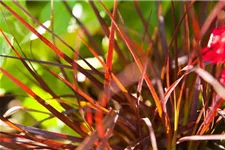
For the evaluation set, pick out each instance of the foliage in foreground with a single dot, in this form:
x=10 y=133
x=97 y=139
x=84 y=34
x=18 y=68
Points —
x=112 y=75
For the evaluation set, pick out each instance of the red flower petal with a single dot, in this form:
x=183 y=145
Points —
x=215 y=52
x=218 y=31
x=222 y=77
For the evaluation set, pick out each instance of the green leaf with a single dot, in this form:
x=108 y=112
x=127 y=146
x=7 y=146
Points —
x=9 y=24
x=61 y=16
x=5 y=49
x=31 y=103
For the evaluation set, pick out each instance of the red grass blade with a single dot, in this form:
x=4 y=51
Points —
x=201 y=137
x=60 y=39
x=12 y=125
x=52 y=46
x=106 y=94
x=144 y=22
x=43 y=102
x=34 y=73
x=211 y=80
x=39 y=61
x=138 y=62
x=219 y=6
x=84 y=29
x=117 y=81
x=151 y=133
x=50 y=135
x=108 y=121
x=109 y=59
x=80 y=92
x=107 y=32
x=47 y=42
x=10 y=143
x=219 y=90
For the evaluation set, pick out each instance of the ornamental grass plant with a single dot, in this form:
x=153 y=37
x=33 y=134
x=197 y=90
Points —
x=112 y=75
